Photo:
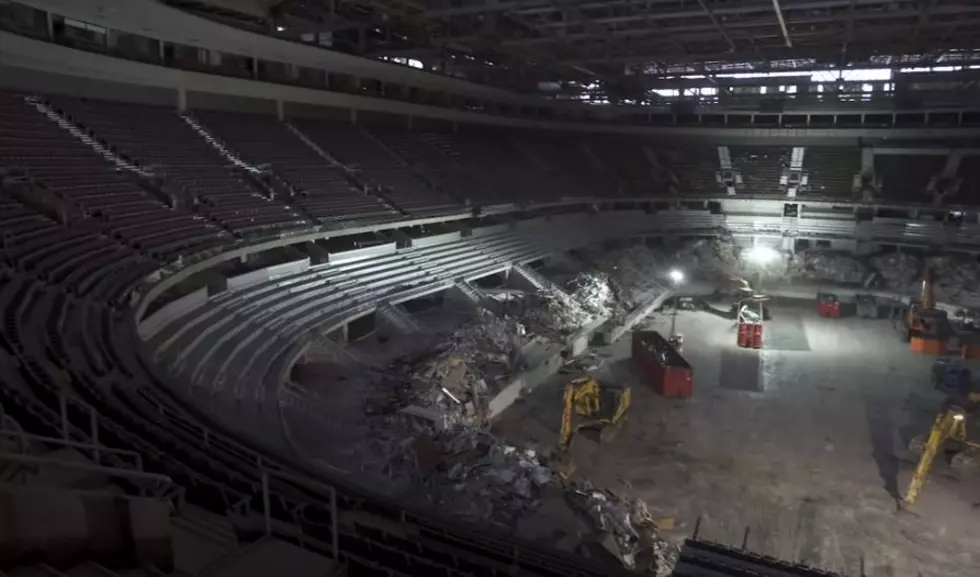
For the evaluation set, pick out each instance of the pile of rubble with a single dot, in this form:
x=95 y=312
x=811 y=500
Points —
x=828 y=266
x=474 y=475
x=957 y=279
x=458 y=374
x=552 y=313
x=634 y=276
x=709 y=256
x=898 y=271
x=631 y=532
x=591 y=290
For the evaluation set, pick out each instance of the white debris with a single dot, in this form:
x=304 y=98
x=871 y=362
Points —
x=900 y=272
x=828 y=266
x=957 y=279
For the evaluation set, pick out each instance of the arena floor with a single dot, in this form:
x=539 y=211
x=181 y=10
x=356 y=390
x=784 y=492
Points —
x=797 y=451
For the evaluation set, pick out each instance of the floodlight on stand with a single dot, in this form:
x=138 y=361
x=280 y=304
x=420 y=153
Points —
x=676 y=276
x=280 y=28
x=761 y=254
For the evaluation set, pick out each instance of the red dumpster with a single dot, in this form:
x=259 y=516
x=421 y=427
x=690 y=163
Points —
x=670 y=375
x=828 y=305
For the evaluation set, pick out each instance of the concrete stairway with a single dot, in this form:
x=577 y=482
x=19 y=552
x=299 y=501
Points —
x=218 y=145
x=71 y=128
x=397 y=319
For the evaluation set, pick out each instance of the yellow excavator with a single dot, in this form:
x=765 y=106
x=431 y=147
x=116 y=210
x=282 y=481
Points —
x=949 y=431
x=950 y=425
x=594 y=406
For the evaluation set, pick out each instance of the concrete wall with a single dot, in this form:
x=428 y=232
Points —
x=66 y=527
x=29 y=79
x=362 y=253
x=210 y=101
x=152 y=324
x=488 y=230
x=435 y=239
x=270 y=273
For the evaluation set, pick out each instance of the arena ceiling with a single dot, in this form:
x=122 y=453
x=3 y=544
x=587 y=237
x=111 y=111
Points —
x=622 y=43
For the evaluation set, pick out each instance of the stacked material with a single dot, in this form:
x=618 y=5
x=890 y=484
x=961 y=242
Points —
x=828 y=266
x=899 y=272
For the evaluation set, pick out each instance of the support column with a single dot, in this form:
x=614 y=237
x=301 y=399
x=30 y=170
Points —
x=353 y=116
x=280 y=110
x=181 y=93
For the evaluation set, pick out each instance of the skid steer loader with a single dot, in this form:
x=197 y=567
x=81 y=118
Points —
x=589 y=405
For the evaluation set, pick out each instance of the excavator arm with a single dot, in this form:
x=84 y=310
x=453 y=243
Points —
x=949 y=424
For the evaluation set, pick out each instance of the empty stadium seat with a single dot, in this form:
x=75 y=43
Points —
x=831 y=170
x=761 y=167
x=73 y=171
x=321 y=188
x=160 y=140
x=377 y=166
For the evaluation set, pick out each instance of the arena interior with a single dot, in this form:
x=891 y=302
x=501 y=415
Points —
x=329 y=288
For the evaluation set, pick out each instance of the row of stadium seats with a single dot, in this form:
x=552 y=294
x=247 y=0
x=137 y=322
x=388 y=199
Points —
x=63 y=344
x=334 y=170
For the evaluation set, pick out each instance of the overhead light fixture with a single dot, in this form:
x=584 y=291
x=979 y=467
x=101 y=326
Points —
x=761 y=254
x=676 y=276
x=280 y=28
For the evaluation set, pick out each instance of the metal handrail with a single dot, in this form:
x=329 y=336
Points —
x=98 y=449
x=168 y=490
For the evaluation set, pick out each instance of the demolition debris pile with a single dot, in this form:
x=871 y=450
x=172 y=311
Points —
x=899 y=272
x=459 y=373
x=634 y=276
x=957 y=280
x=478 y=477
x=555 y=314
x=827 y=266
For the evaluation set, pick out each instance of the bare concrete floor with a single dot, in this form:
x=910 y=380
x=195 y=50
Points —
x=797 y=451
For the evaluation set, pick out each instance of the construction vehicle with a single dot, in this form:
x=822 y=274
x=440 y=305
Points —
x=867 y=306
x=595 y=407
x=951 y=376
x=949 y=431
x=926 y=327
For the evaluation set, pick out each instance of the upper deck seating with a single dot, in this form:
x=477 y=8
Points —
x=436 y=159
x=969 y=174
x=376 y=165
x=323 y=189
x=578 y=172
x=761 y=167
x=905 y=178
x=831 y=169
x=694 y=166
x=73 y=171
x=80 y=256
x=628 y=159
x=160 y=140
x=505 y=170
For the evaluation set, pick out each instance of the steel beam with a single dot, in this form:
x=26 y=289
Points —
x=782 y=23
x=717 y=25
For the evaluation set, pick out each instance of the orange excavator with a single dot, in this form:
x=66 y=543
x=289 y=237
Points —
x=926 y=327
